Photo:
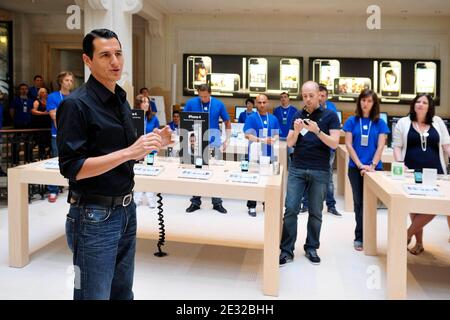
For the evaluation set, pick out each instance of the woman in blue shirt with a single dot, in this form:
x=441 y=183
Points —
x=151 y=123
x=365 y=138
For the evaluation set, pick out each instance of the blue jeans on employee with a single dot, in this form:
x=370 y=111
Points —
x=301 y=181
x=103 y=243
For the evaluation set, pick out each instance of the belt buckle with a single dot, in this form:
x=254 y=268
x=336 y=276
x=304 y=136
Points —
x=127 y=200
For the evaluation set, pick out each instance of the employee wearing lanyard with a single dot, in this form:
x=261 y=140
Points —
x=284 y=114
x=20 y=111
x=264 y=128
x=365 y=138
x=216 y=109
x=65 y=81
x=250 y=104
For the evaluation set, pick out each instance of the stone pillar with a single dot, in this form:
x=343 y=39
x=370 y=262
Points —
x=115 y=15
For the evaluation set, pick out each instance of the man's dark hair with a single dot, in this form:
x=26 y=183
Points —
x=22 y=85
x=142 y=89
x=204 y=87
x=323 y=88
x=251 y=100
x=37 y=76
x=175 y=112
x=88 y=41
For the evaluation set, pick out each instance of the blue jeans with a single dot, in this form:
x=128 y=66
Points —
x=331 y=202
x=300 y=181
x=54 y=153
x=103 y=243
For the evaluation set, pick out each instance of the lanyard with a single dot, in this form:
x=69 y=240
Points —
x=361 y=128
x=288 y=112
x=61 y=95
x=203 y=107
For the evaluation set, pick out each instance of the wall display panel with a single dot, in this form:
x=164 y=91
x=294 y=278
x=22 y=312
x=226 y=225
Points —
x=396 y=81
x=242 y=76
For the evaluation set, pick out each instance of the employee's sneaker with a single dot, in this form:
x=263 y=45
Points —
x=220 y=208
x=334 y=212
x=52 y=197
x=358 y=245
x=285 y=259
x=252 y=212
x=304 y=209
x=312 y=256
x=192 y=208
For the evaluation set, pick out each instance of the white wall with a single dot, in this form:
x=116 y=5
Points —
x=339 y=36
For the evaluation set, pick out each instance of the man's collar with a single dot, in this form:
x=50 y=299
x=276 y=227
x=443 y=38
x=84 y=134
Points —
x=319 y=109
x=103 y=93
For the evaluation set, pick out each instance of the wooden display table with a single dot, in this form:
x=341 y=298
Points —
x=343 y=183
x=268 y=189
x=379 y=185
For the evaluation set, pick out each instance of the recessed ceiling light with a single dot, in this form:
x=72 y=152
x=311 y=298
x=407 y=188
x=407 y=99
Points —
x=404 y=11
x=437 y=11
x=340 y=11
x=276 y=10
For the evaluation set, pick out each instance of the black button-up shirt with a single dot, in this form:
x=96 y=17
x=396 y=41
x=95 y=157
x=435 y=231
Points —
x=92 y=121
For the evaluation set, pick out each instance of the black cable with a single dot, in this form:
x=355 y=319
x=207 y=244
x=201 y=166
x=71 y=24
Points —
x=162 y=230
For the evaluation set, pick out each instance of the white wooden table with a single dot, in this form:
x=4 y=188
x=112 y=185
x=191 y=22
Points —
x=379 y=185
x=343 y=183
x=269 y=189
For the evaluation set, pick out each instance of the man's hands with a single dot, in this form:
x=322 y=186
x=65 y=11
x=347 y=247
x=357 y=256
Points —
x=165 y=134
x=143 y=146
x=300 y=124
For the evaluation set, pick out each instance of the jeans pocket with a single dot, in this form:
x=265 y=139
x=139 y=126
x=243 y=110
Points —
x=70 y=233
x=96 y=214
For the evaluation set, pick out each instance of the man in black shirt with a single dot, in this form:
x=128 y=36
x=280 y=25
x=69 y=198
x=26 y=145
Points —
x=97 y=149
x=313 y=132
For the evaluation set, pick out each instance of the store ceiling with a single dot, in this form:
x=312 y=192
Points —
x=253 y=7
x=305 y=7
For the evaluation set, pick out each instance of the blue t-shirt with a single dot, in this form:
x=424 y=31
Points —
x=244 y=115
x=285 y=116
x=33 y=93
x=255 y=125
x=310 y=152
x=173 y=126
x=53 y=101
x=216 y=110
x=22 y=111
x=151 y=124
x=331 y=106
x=365 y=154
x=153 y=106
